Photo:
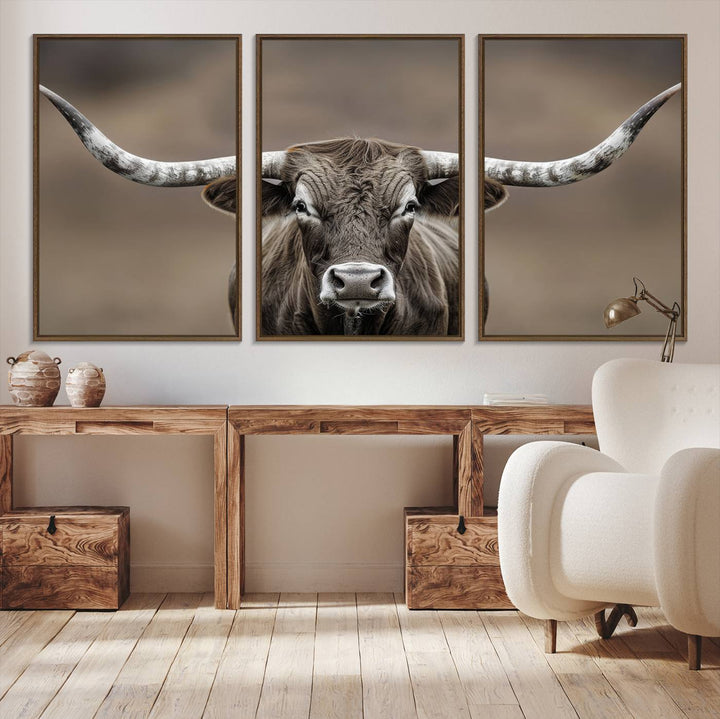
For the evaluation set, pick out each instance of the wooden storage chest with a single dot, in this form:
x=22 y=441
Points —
x=64 y=558
x=449 y=569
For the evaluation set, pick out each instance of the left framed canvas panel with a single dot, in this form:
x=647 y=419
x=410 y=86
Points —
x=137 y=233
x=360 y=187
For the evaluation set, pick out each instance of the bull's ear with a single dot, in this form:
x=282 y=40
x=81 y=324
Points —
x=276 y=198
x=494 y=194
x=441 y=198
x=222 y=194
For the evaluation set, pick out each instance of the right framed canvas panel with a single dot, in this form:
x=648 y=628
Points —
x=583 y=145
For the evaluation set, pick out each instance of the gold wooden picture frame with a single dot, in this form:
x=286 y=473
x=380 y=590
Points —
x=360 y=210
x=559 y=250
x=124 y=246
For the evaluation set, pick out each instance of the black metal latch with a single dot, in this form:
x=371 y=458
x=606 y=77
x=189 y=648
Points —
x=461 y=525
x=51 y=526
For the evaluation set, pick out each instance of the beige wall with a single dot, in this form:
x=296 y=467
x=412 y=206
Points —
x=334 y=523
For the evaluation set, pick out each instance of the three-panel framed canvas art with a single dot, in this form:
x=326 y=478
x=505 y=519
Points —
x=367 y=160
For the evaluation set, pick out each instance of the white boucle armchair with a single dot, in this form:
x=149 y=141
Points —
x=637 y=523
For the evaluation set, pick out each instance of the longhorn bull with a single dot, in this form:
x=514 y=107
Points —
x=422 y=170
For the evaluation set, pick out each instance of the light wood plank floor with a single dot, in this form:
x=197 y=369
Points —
x=341 y=656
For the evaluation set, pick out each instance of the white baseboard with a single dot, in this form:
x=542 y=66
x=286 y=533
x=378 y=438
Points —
x=272 y=577
x=323 y=577
x=171 y=577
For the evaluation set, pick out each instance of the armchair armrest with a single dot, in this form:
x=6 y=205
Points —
x=535 y=475
x=687 y=541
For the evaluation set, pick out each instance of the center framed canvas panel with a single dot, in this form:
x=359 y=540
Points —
x=583 y=145
x=359 y=190
x=132 y=133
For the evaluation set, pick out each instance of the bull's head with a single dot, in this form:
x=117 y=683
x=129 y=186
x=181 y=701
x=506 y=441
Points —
x=355 y=202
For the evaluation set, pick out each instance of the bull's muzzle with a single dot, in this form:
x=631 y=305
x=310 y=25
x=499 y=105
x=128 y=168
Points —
x=355 y=286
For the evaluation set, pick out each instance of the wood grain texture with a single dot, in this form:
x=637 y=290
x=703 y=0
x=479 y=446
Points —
x=84 y=564
x=696 y=693
x=590 y=693
x=436 y=685
x=11 y=622
x=533 y=681
x=86 y=688
x=337 y=685
x=634 y=684
x=235 y=517
x=64 y=587
x=22 y=647
x=6 y=472
x=289 y=671
x=137 y=685
x=51 y=667
x=111 y=420
x=435 y=540
x=469 y=492
x=387 y=689
x=479 y=587
x=545 y=419
x=220 y=510
x=188 y=683
x=481 y=673
x=366 y=426
x=335 y=419
x=404 y=668
x=478 y=466
x=239 y=679
x=88 y=540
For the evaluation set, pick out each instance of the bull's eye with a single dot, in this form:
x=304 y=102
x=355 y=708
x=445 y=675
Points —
x=410 y=207
x=300 y=206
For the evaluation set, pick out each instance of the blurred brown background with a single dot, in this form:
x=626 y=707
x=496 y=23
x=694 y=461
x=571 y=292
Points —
x=554 y=257
x=402 y=90
x=117 y=257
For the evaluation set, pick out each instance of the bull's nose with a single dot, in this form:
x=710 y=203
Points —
x=357 y=281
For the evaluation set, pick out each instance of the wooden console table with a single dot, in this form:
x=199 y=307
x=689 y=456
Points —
x=230 y=425
x=207 y=420
x=467 y=425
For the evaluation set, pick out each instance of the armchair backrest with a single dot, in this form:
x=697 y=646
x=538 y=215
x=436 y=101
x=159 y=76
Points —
x=645 y=411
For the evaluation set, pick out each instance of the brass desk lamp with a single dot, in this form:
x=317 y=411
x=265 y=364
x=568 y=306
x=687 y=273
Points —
x=624 y=308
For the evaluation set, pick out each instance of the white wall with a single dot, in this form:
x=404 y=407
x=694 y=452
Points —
x=322 y=512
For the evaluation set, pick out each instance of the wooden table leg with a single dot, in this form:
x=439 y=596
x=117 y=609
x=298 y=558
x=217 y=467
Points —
x=220 y=519
x=6 y=472
x=236 y=517
x=470 y=499
x=455 y=489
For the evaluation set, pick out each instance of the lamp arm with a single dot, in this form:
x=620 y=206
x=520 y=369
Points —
x=661 y=307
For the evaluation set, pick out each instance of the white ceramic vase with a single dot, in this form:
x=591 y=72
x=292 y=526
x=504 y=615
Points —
x=85 y=385
x=33 y=379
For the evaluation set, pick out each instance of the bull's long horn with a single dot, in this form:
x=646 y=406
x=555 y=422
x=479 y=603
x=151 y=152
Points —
x=441 y=164
x=272 y=163
x=573 y=169
x=140 y=169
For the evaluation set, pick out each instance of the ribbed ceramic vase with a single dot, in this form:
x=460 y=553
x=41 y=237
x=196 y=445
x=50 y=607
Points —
x=85 y=385
x=33 y=379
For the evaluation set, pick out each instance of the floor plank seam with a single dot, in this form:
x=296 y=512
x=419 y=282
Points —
x=407 y=663
x=312 y=673
x=112 y=684
x=50 y=639
x=159 y=691
x=495 y=652
x=217 y=667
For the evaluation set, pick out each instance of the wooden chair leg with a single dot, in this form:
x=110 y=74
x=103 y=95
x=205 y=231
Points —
x=606 y=627
x=694 y=651
x=550 y=636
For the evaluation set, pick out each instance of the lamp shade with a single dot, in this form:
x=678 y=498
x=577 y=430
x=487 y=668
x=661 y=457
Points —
x=620 y=310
